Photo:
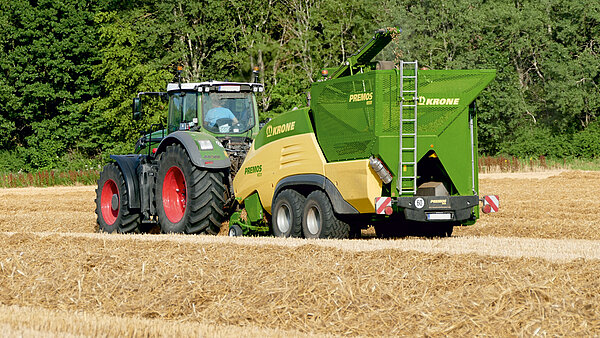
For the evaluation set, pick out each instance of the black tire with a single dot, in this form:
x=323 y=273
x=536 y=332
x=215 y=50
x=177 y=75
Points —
x=394 y=228
x=390 y=228
x=440 y=230
x=319 y=219
x=287 y=214
x=189 y=199
x=235 y=231
x=112 y=203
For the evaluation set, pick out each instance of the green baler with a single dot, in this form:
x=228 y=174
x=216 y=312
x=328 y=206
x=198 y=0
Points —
x=389 y=145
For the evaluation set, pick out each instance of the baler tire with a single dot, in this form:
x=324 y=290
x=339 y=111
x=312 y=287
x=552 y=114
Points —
x=111 y=186
x=435 y=230
x=235 y=231
x=388 y=230
x=320 y=221
x=444 y=230
x=287 y=214
x=189 y=199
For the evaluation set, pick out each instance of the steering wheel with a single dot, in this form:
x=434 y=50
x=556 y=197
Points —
x=223 y=121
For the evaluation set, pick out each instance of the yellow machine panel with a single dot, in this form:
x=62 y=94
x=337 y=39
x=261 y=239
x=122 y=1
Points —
x=357 y=182
x=262 y=168
x=301 y=154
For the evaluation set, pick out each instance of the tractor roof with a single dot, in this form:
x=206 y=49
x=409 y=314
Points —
x=224 y=86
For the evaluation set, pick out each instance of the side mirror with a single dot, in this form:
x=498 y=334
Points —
x=137 y=108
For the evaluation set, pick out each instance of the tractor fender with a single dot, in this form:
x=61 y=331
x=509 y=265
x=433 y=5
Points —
x=128 y=165
x=340 y=205
x=215 y=158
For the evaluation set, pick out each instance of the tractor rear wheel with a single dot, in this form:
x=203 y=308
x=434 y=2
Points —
x=287 y=214
x=189 y=199
x=112 y=203
x=319 y=219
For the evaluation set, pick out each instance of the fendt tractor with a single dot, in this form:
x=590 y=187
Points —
x=180 y=177
x=382 y=144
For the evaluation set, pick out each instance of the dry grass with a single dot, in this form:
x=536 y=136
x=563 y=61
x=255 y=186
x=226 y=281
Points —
x=554 y=250
x=560 y=206
x=307 y=288
x=531 y=270
x=56 y=209
x=17 y=321
x=538 y=205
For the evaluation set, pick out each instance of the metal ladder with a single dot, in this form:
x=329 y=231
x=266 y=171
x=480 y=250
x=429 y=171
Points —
x=407 y=168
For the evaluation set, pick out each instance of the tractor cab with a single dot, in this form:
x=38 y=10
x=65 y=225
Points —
x=226 y=110
x=219 y=108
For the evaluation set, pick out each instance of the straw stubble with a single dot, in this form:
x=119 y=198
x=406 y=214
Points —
x=507 y=282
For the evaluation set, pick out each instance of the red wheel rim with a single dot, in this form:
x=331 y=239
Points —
x=109 y=189
x=174 y=194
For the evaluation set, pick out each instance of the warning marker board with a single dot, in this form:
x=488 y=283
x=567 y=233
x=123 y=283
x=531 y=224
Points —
x=383 y=205
x=491 y=203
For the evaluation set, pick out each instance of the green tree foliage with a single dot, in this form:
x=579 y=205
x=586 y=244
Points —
x=69 y=69
x=46 y=56
x=546 y=54
x=128 y=65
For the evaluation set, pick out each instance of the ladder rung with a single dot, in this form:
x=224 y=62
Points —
x=408 y=163
x=409 y=120
x=409 y=77
x=409 y=91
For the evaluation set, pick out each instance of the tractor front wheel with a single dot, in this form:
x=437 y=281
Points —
x=189 y=199
x=112 y=203
x=319 y=219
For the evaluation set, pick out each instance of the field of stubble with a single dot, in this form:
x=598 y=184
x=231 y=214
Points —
x=530 y=269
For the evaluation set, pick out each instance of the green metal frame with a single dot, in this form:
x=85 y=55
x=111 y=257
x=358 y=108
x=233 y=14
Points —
x=248 y=228
x=366 y=53
x=253 y=224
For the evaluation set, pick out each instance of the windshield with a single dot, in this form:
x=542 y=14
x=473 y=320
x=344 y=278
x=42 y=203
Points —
x=228 y=112
x=183 y=108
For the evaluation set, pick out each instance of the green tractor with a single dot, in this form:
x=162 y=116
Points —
x=180 y=177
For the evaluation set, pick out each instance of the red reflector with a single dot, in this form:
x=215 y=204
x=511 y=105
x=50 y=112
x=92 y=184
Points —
x=491 y=203
x=154 y=150
x=381 y=205
x=487 y=209
x=389 y=210
x=208 y=162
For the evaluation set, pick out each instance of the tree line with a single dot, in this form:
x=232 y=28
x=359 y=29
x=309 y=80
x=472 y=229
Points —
x=69 y=68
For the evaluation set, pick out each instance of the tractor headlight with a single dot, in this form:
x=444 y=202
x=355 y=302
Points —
x=205 y=145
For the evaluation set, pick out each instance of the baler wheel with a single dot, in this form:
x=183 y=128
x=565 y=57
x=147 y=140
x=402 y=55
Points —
x=319 y=219
x=112 y=203
x=189 y=199
x=235 y=231
x=445 y=230
x=287 y=214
